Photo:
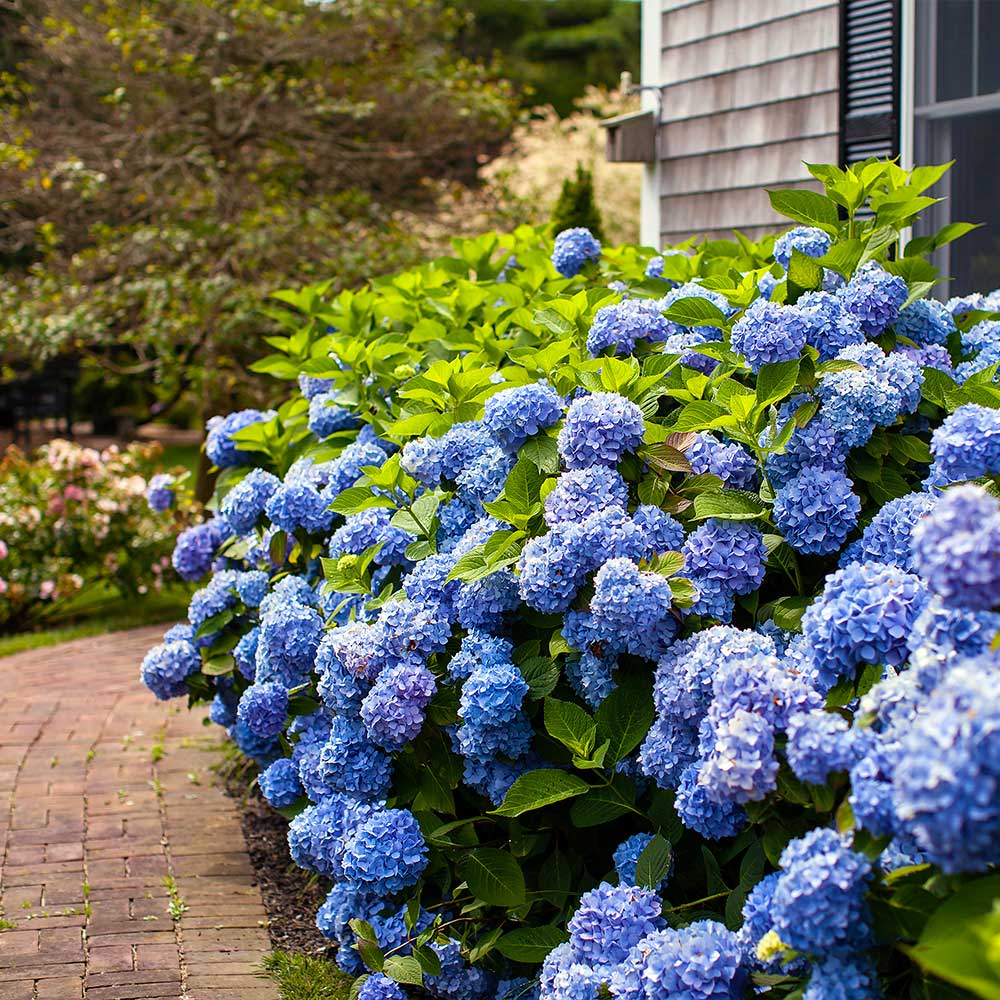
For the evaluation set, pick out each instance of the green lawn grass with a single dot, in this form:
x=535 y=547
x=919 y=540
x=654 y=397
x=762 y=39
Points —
x=99 y=611
x=301 y=977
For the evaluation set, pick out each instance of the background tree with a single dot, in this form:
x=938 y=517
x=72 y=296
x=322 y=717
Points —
x=552 y=50
x=165 y=165
x=577 y=205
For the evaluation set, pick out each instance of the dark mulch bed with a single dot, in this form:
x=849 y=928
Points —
x=291 y=895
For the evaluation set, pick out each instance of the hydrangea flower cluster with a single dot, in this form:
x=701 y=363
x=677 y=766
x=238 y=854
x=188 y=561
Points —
x=442 y=645
x=574 y=248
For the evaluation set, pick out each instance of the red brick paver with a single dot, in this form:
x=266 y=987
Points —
x=122 y=863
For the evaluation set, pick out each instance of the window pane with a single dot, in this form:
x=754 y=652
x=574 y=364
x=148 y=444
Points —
x=975 y=259
x=954 y=49
x=989 y=46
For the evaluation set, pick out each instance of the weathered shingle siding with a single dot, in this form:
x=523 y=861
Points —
x=751 y=89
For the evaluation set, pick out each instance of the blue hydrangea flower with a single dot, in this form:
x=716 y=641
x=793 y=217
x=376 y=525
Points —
x=483 y=479
x=262 y=749
x=610 y=920
x=573 y=249
x=548 y=575
x=864 y=615
x=925 y=321
x=212 y=599
x=698 y=812
x=816 y=510
x=393 y=710
x=874 y=297
x=484 y=603
x=857 y=401
x=626 y=857
x=818 y=906
x=280 y=784
x=944 y=630
x=195 y=548
x=738 y=760
x=492 y=695
x=702 y=960
x=300 y=506
x=479 y=649
x=370 y=527
x=160 y=494
x=252 y=587
x=462 y=445
x=767 y=333
x=607 y=534
x=817 y=444
x=326 y=417
x=965 y=446
x=682 y=343
x=723 y=558
x=564 y=977
x=386 y=853
x=379 y=987
x=819 y=743
x=422 y=460
x=514 y=415
x=219 y=444
x=661 y=531
x=166 y=667
x=591 y=675
x=289 y=589
x=829 y=326
x=426 y=582
x=222 y=710
x=582 y=492
x=263 y=709
x=889 y=535
x=317 y=837
x=843 y=979
x=622 y=325
x=458 y=980
x=627 y=602
x=245 y=653
x=600 y=429
x=348 y=762
x=806 y=239
x=730 y=461
x=286 y=644
x=946 y=783
x=956 y=548
x=310 y=385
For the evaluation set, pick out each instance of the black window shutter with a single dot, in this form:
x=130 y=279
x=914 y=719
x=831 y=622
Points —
x=869 y=79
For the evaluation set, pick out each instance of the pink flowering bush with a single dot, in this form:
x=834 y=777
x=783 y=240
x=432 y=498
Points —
x=73 y=518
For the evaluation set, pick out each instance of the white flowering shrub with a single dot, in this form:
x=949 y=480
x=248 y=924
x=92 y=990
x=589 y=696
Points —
x=74 y=518
x=612 y=623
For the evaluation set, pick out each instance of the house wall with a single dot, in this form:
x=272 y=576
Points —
x=750 y=90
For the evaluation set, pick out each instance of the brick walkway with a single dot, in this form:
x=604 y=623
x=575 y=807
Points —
x=114 y=822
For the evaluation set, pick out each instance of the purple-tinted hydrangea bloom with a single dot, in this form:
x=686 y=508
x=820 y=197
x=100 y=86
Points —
x=818 y=906
x=874 y=297
x=966 y=445
x=220 y=447
x=195 y=548
x=730 y=461
x=279 y=783
x=166 y=667
x=622 y=325
x=767 y=333
x=806 y=239
x=263 y=709
x=160 y=493
x=393 y=710
x=600 y=429
x=816 y=510
x=582 y=492
x=610 y=920
x=829 y=326
x=956 y=548
x=513 y=415
x=386 y=853
x=573 y=249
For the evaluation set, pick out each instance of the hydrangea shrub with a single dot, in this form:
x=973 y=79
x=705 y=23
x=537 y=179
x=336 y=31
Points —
x=73 y=518
x=611 y=625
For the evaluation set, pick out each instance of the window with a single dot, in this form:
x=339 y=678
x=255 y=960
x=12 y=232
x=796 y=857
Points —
x=956 y=78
